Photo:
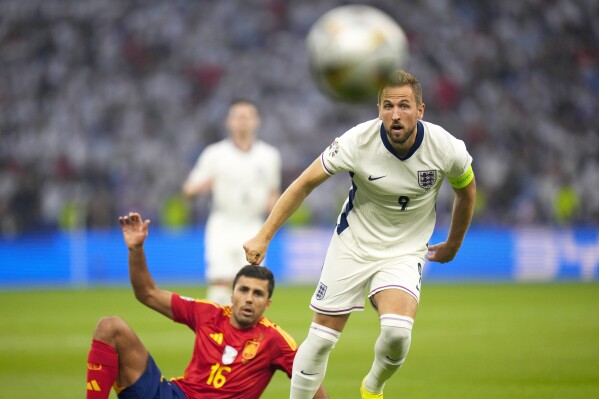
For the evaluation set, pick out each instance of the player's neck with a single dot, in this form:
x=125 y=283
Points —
x=404 y=148
x=243 y=143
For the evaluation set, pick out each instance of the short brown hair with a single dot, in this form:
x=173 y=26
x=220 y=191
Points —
x=242 y=100
x=258 y=272
x=402 y=78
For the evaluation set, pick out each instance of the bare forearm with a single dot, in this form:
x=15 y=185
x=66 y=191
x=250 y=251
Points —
x=141 y=279
x=190 y=189
x=256 y=247
x=272 y=201
x=292 y=198
x=144 y=287
x=135 y=231
x=287 y=204
x=463 y=208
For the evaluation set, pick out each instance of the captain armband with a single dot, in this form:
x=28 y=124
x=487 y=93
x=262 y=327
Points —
x=463 y=180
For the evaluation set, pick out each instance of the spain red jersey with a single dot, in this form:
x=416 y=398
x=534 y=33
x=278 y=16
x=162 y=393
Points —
x=228 y=362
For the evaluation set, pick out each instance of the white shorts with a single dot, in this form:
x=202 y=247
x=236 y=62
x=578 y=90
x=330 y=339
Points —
x=224 y=253
x=346 y=279
x=223 y=260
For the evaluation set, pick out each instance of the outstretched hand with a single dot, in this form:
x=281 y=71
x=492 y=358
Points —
x=135 y=230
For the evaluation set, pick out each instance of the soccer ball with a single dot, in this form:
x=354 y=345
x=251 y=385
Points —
x=351 y=50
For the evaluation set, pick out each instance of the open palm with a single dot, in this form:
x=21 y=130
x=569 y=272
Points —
x=135 y=230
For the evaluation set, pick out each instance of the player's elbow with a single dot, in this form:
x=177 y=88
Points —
x=156 y=299
x=146 y=295
x=143 y=297
x=188 y=191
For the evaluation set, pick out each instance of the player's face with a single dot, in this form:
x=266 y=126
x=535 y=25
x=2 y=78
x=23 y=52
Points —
x=243 y=119
x=249 y=301
x=399 y=112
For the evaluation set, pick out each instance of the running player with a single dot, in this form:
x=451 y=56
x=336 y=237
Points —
x=397 y=163
x=243 y=174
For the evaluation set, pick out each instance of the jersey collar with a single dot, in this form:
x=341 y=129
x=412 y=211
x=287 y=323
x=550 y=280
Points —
x=415 y=146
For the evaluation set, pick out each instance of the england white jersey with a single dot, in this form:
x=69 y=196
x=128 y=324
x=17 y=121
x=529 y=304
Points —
x=242 y=180
x=390 y=210
x=242 y=184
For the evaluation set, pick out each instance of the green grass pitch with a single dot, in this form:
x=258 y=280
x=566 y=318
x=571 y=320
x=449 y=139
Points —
x=537 y=341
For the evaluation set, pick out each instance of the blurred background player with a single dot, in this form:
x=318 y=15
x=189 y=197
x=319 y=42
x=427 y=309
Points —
x=243 y=174
x=397 y=163
x=236 y=349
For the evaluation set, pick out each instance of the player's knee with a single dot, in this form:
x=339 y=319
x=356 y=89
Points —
x=396 y=336
x=396 y=329
x=319 y=344
x=109 y=328
x=395 y=343
x=321 y=340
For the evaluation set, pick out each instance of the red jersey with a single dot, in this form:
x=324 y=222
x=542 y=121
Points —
x=228 y=362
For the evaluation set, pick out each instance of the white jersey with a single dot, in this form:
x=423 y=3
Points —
x=390 y=210
x=242 y=184
x=242 y=180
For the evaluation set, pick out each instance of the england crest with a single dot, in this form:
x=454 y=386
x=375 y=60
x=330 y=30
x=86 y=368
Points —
x=427 y=178
x=320 y=293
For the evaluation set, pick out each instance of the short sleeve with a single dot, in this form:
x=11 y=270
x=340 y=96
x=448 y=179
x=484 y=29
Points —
x=203 y=168
x=190 y=311
x=287 y=348
x=338 y=157
x=460 y=162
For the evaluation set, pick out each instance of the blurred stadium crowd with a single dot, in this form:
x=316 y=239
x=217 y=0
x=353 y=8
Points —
x=105 y=104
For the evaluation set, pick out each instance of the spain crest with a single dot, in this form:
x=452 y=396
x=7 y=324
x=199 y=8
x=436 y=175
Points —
x=427 y=178
x=250 y=349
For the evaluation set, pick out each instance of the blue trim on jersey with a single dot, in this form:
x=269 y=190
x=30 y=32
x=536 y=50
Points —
x=324 y=165
x=343 y=224
x=415 y=146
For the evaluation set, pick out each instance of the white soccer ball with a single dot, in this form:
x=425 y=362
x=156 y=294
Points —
x=351 y=50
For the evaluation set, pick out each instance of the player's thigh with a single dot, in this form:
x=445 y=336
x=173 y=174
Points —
x=223 y=262
x=336 y=322
x=395 y=288
x=222 y=271
x=394 y=301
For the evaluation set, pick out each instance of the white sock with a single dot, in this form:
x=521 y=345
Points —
x=219 y=294
x=390 y=350
x=310 y=364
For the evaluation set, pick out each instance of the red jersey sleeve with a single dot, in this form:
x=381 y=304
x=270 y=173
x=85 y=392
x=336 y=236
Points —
x=285 y=349
x=185 y=310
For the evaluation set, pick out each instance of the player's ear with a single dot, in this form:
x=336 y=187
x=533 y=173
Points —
x=421 y=111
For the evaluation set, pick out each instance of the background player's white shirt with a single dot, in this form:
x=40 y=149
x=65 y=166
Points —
x=243 y=182
x=390 y=210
